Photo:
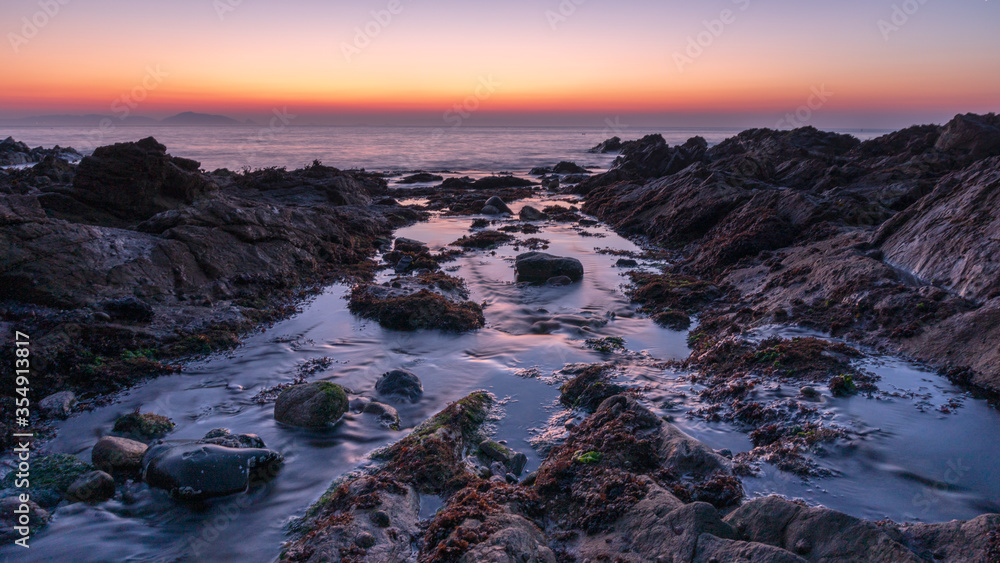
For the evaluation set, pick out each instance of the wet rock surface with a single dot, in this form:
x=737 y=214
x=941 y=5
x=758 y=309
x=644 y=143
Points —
x=196 y=470
x=624 y=486
x=134 y=258
x=424 y=302
x=315 y=404
x=400 y=384
x=887 y=242
x=539 y=267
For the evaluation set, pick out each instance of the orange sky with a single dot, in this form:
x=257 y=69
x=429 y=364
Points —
x=601 y=59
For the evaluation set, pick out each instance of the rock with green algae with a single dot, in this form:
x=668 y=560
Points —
x=314 y=404
x=51 y=477
x=143 y=427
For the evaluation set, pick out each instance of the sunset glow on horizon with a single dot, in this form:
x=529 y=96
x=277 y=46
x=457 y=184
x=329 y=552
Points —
x=412 y=63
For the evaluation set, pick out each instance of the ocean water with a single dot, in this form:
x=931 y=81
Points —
x=461 y=149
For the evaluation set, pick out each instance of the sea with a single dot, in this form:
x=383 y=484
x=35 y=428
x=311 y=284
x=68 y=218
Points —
x=463 y=149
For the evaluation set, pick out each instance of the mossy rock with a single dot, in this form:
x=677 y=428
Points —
x=144 y=427
x=51 y=476
x=311 y=405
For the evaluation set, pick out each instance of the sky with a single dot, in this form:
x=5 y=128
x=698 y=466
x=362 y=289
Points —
x=725 y=63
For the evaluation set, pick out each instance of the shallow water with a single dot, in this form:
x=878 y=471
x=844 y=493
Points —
x=899 y=466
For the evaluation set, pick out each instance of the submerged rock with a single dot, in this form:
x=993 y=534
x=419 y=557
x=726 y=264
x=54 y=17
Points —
x=311 y=404
x=538 y=267
x=420 y=177
x=529 y=213
x=194 y=471
x=95 y=486
x=387 y=416
x=401 y=384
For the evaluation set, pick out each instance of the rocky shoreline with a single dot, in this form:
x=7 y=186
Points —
x=135 y=260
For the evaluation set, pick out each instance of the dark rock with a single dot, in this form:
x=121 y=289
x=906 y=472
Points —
x=58 y=405
x=540 y=170
x=672 y=319
x=314 y=404
x=566 y=167
x=118 y=456
x=387 y=416
x=971 y=137
x=651 y=157
x=500 y=181
x=224 y=437
x=421 y=177
x=403 y=244
x=614 y=144
x=529 y=213
x=95 y=486
x=137 y=180
x=538 y=267
x=589 y=389
x=129 y=309
x=192 y=471
x=496 y=206
x=626 y=263
x=401 y=384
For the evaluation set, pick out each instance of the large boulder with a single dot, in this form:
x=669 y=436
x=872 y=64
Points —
x=137 y=180
x=314 y=404
x=194 y=470
x=538 y=267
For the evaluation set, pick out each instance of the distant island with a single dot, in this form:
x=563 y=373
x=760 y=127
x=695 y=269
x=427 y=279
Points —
x=187 y=119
